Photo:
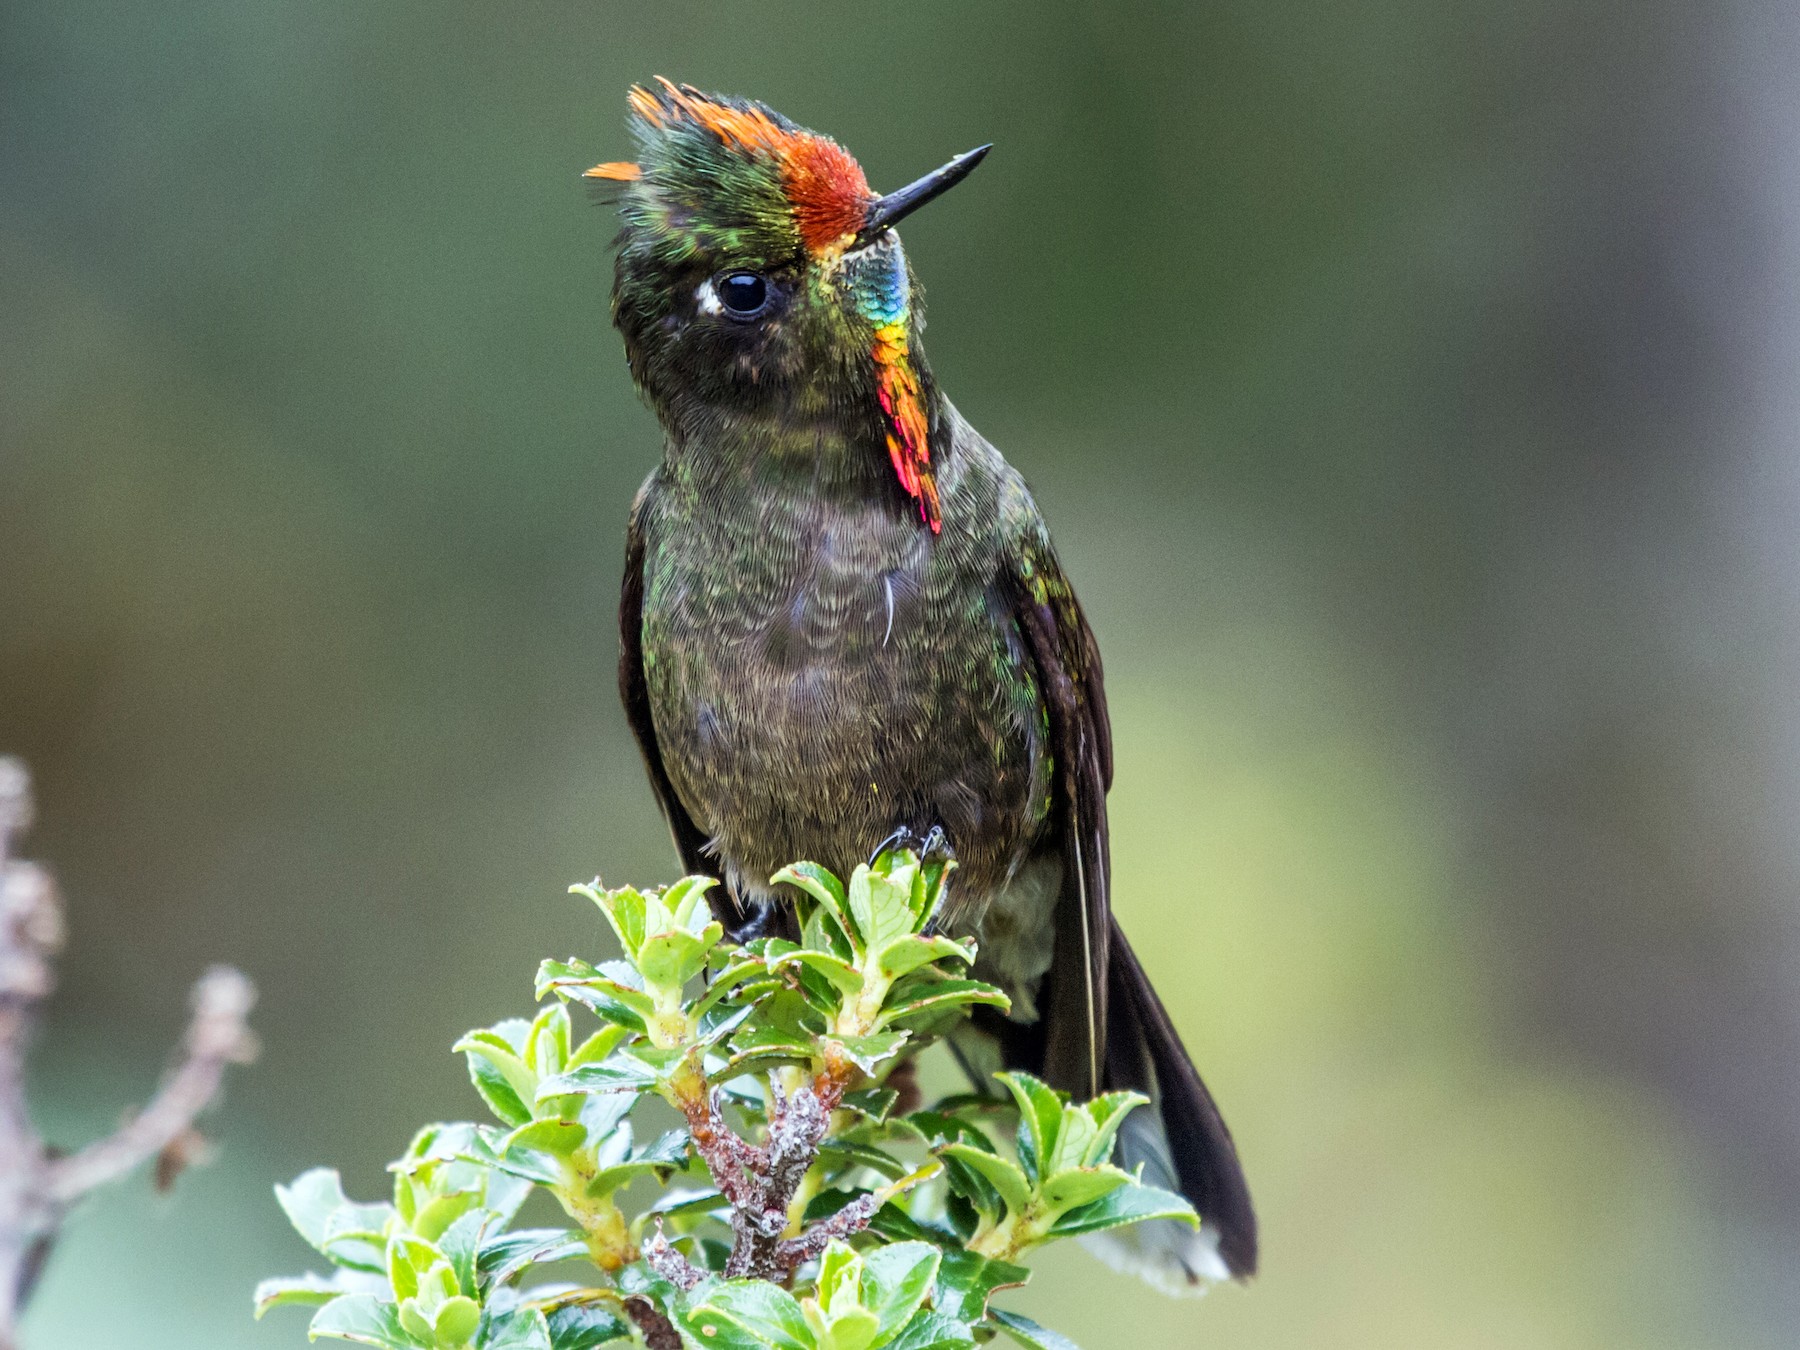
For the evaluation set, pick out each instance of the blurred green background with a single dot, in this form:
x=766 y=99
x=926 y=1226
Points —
x=1410 y=387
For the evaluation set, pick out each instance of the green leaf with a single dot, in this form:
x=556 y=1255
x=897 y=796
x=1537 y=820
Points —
x=764 y=1046
x=765 y=1314
x=722 y=1022
x=362 y=1318
x=521 y=1329
x=621 y=1073
x=501 y=1258
x=893 y=1222
x=928 y=889
x=850 y=1153
x=346 y=1233
x=965 y=1282
x=504 y=1196
x=547 y=1047
x=460 y=1243
x=312 y=1290
x=354 y=1243
x=840 y=1274
x=584 y=1326
x=457 y=1319
x=1134 y=1203
x=598 y=1046
x=609 y=1179
x=1074 y=1138
x=625 y=909
x=1029 y=1334
x=499 y=1075
x=558 y=1137
x=941 y=1127
x=1040 y=1120
x=823 y=932
x=1001 y=1173
x=908 y=953
x=1076 y=1186
x=613 y=992
x=822 y=886
x=440 y=1212
x=669 y=960
x=895 y=1281
x=1108 y=1113
x=710 y=1331
x=875 y=1102
x=529 y=1165
x=968 y=1185
x=859 y=900
x=724 y=982
x=843 y=976
x=688 y=1201
x=930 y=1330
x=407 y=1256
x=685 y=902
x=603 y=1112
x=896 y=900
x=310 y=1200
x=852 y=1329
x=936 y=996
x=434 y=1144
x=869 y=1051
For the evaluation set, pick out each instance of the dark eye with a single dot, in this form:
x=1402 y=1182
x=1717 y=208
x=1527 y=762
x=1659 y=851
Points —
x=744 y=294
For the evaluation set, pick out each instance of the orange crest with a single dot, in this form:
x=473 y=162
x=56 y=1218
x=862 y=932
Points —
x=616 y=171
x=823 y=182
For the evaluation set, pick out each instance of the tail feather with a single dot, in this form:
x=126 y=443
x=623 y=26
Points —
x=1180 y=1139
x=1187 y=1137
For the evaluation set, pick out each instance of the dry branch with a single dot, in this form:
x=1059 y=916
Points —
x=37 y=1187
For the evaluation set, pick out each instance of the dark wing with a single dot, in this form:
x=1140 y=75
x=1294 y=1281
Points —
x=1067 y=660
x=1104 y=1028
x=690 y=840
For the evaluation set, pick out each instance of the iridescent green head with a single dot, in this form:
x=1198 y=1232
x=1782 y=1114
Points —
x=759 y=273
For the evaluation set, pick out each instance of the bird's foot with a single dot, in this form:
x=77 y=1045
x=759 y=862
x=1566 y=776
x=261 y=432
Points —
x=933 y=847
x=937 y=847
x=933 y=850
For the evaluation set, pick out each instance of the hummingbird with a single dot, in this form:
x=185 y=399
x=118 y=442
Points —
x=843 y=621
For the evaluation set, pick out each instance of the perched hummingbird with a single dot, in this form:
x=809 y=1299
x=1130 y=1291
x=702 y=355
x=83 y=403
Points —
x=843 y=618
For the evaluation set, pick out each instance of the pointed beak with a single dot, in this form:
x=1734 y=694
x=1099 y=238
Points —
x=887 y=211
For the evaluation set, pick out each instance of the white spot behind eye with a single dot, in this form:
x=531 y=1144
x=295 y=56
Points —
x=706 y=299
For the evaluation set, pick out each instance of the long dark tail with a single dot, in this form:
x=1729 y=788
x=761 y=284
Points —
x=1180 y=1139
x=1187 y=1136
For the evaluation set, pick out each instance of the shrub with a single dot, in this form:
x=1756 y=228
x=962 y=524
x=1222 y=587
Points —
x=796 y=1196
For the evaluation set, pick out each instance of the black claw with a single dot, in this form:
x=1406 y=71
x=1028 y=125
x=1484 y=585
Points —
x=937 y=847
x=904 y=837
x=934 y=846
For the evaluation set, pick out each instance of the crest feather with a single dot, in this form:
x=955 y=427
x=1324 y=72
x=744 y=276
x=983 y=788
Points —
x=823 y=183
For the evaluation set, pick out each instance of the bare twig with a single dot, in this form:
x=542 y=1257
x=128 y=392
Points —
x=660 y=1255
x=36 y=1186
x=852 y=1218
x=217 y=1036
